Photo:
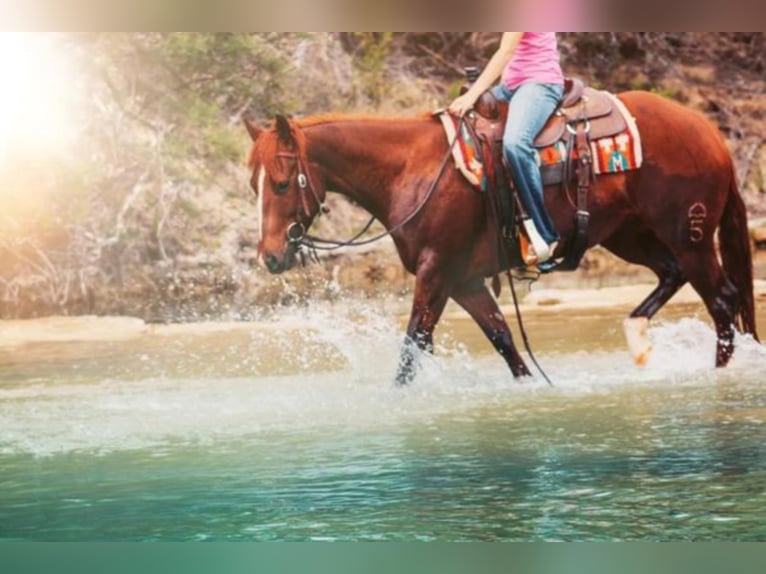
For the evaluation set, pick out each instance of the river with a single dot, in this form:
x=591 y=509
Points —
x=291 y=429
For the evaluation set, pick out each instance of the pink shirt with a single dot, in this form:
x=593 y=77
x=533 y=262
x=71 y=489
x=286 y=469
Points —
x=536 y=59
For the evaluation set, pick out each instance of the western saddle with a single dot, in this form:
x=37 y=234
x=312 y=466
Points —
x=584 y=114
x=582 y=108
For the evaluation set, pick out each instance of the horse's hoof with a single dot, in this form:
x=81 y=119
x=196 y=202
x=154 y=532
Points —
x=401 y=382
x=640 y=346
x=520 y=370
x=724 y=352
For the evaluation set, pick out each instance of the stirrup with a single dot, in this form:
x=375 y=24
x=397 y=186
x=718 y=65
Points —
x=535 y=257
x=537 y=244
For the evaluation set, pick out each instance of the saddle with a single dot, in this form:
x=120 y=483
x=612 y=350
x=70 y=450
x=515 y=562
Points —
x=584 y=114
x=580 y=104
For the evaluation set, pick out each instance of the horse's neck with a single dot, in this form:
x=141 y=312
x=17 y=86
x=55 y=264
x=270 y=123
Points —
x=362 y=159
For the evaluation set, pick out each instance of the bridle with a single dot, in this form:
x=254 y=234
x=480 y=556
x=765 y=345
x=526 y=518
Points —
x=296 y=232
x=296 y=235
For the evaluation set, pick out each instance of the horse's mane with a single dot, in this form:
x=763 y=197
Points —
x=330 y=118
x=267 y=147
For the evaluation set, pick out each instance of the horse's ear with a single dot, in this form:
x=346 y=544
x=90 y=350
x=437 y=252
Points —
x=252 y=129
x=284 y=129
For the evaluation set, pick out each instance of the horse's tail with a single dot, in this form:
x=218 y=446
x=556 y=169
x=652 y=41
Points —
x=737 y=257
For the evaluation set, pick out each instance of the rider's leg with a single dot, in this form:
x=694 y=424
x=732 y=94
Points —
x=530 y=107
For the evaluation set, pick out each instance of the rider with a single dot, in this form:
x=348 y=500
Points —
x=533 y=84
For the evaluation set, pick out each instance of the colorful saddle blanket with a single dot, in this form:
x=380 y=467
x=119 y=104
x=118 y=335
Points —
x=465 y=150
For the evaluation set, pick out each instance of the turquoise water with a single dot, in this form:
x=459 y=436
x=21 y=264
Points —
x=298 y=434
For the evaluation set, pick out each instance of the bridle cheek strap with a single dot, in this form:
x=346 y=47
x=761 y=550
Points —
x=305 y=183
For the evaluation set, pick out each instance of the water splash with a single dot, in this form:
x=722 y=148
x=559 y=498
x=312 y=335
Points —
x=688 y=346
x=332 y=368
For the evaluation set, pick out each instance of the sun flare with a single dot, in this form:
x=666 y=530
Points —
x=36 y=96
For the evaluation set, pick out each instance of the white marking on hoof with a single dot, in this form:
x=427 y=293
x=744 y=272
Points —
x=638 y=341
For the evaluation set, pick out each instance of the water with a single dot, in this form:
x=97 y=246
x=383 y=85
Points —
x=292 y=430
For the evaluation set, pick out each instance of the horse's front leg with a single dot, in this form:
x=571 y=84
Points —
x=475 y=298
x=427 y=306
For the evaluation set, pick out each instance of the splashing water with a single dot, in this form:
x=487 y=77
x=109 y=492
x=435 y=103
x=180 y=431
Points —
x=293 y=429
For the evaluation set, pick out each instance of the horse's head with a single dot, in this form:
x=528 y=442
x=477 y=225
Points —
x=287 y=196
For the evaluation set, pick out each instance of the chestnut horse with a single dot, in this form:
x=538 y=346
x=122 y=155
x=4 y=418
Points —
x=663 y=215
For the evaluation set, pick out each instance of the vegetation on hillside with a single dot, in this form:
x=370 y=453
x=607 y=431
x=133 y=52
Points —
x=149 y=213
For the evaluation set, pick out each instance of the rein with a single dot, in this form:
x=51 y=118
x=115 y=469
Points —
x=314 y=243
x=522 y=330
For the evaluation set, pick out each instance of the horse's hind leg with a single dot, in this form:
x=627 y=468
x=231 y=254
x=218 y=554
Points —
x=477 y=301
x=637 y=244
x=695 y=263
x=717 y=292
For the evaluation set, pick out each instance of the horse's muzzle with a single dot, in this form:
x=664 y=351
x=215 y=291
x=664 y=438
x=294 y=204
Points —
x=273 y=264
x=276 y=265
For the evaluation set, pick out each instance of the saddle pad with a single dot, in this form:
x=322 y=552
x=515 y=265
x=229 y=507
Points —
x=465 y=150
x=611 y=154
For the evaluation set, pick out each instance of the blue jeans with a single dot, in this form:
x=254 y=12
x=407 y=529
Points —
x=530 y=106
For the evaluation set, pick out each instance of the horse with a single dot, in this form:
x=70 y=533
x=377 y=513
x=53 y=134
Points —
x=663 y=215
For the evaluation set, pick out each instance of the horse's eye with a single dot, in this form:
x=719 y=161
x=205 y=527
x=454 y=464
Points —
x=282 y=187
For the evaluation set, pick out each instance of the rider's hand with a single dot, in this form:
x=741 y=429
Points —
x=463 y=104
